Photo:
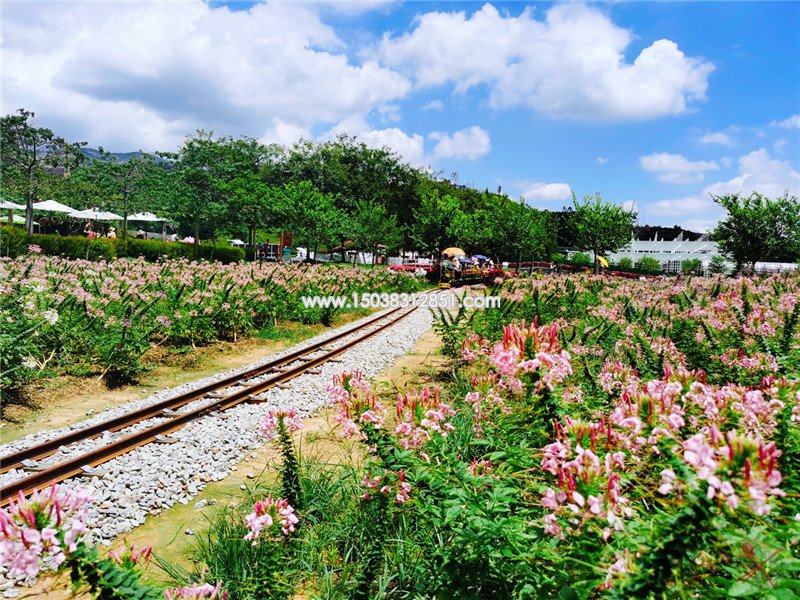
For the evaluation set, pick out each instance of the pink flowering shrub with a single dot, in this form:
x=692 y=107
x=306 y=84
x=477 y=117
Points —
x=268 y=516
x=735 y=468
x=197 y=592
x=46 y=526
x=389 y=483
x=271 y=423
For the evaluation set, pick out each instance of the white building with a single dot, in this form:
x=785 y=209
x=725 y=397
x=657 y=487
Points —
x=672 y=254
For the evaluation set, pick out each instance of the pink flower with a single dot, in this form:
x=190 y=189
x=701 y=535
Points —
x=45 y=525
x=271 y=422
x=198 y=592
x=266 y=513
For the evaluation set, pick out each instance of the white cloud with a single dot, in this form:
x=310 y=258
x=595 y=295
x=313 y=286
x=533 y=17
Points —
x=602 y=160
x=723 y=139
x=471 y=143
x=757 y=172
x=410 y=147
x=792 y=122
x=123 y=74
x=674 y=168
x=433 y=105
x=547 y=192
x=281 y=132
x=571 y=64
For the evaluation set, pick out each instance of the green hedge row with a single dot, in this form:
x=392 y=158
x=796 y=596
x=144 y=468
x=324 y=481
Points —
x=14 y=242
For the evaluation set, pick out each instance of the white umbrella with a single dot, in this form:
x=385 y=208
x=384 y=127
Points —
x=20 y=220
x=53 y=206
x=96 y=214
x=236 y=242
x=146 y=216
x=6 y=205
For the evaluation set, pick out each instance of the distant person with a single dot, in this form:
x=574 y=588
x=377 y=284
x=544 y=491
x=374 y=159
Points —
x=88 y=230
x=112 y=234
x=140 y=235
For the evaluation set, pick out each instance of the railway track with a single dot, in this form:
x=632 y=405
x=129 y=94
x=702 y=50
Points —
x=216 y=396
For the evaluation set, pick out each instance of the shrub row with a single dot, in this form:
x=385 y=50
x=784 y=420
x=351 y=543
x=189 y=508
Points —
x=14 y=242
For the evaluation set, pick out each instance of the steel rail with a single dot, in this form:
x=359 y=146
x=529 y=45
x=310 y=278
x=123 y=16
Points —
x=48 y=447
x=75 y=466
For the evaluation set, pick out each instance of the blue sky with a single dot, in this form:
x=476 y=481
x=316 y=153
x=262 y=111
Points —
x=657 y=104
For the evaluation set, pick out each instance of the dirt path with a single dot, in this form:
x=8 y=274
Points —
x=167 y=531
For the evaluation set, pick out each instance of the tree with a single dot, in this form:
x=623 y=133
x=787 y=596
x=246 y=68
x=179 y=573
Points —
x=311 y=215
x=520 y=232
x=758 y=228
x=648 y=264
x=29 y=154
x=123 y=185
x=203 y=167
x=717 y=265
x=431 y=230
x=351 y=172
x=601 y=227
x=371 y=226
x=692 y=266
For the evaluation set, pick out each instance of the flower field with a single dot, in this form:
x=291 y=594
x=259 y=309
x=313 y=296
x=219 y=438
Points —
x=59 y=315
x=593 y=438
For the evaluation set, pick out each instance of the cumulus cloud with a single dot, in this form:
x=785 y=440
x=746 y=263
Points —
x=410 y=147
x=675 y=168
x=433 y=105
x=602 y=160
x=758 y=172
x=570 y=64
x=723 y=139
x=120 y=74
x=792 y=122
x=471 y=143
x=547 y=192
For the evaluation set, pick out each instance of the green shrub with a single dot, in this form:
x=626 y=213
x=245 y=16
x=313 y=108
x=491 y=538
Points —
x=718 y=265
x=74 y=247
x=649 y=265
x=13 y=241
x=625 y=264
x=693 y=266
x=581 y=259
x=218 y=252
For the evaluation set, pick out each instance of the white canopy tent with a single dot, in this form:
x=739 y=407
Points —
x=11 y=207
x=96 y=215
x=6 y=205
x=147 y=217
x=18 y=219
x=53 y=206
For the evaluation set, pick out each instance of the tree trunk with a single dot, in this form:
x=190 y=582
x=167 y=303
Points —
x=125 y=218
x=29 y=204
x=316 y=248
x=29 y=216
x=197 y=232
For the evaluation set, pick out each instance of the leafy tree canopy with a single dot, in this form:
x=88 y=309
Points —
x=601 y=226
x=758 y=228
